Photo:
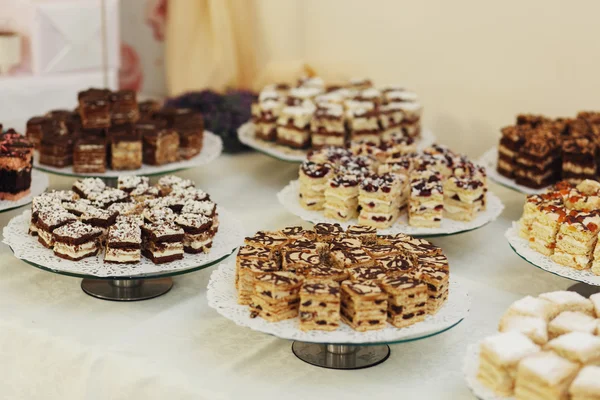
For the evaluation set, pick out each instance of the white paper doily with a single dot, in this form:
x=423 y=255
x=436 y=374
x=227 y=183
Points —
x=521 y=247
x=27 y=247
x=489 y=159
x=211 y=149
x=246 y=136
x=470 y=368
x=222 y=296
x=288 y=197
x=39 y=184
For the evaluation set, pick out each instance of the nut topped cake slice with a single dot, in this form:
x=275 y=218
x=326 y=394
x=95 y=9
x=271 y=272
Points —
x=363 y=305
x=320 y=305
x=16 y=158
x=162 y=242
x=407 y=300
x=76 y=240
x=124 y=241
x=276 y=296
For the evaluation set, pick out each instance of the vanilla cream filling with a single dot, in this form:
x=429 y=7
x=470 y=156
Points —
x=168 y=250
x=46 y=237
x=121 y=255
x=75 y=251
x=196 y=244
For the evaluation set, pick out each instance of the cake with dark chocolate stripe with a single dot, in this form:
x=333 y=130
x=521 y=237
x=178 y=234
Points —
x=319 y=305
x=75 y=241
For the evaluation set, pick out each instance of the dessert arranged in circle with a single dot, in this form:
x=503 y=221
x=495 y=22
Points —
x=327 y=275
x=160 y=222
x=563 y=224
x=538 y=151
x=547 y=348
x=112 y=130
x=376 y=184
x=16 y=160
x=313 y=114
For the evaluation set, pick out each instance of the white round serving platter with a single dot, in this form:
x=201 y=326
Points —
x=521 y=247
x=470 y=367
x=39 y=184
x=284 y=153
x=211 y=149
x=288 y=197
x=489 y=160
x=222 y=296
x=27 y=248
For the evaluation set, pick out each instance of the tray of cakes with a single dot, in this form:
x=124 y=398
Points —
x=539 y=151
x=111 y=134
x=558 y=231
x=334 y=285
x=546 y=348
x=133 y=230
x=288 y=121
x=18 y=182
x=394 y=188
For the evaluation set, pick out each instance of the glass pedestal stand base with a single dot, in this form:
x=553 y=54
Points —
x=341 y=356
x=126 y=289
x=584 y=289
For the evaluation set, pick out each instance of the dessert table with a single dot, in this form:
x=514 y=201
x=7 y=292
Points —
x=58 y=343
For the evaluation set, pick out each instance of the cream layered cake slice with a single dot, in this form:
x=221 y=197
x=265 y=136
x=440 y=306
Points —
x=198 y=233
x=293 y=126
x=586 y=385
x=576 y=239
x=407 y=300
x=579 y=347
x=313 y=178
x=248 y=269
x=48 y=219
x=426 y=202
x=373 y=273
x=579 y=155
x=463 y=197
x=438 y=286
x=571 y=321
x=363 y=305
x=250 y=253
x=534 y=328
x=269 y=240
x=327 y=126
x=325 y=232
x=379 y=200
x=276 y=296
x=544 y=376
x=397 y=264
x=532 y=307
x=398 y=146
x=439 y=262
x=499 y=357
x=565 y=300
x=320 y=305
x=162 y=242
x=124 y=241
x=99 y=218
x=341 y=197
x=366 y=234
x=545 y=227
x=584 y=197
x=76 y=241
x=391 y=117
x=265 y=115
x=412 y=245
x=325 y=272
x=513 y=137
x=299 y=260
x=363 y=124
x=350 y=258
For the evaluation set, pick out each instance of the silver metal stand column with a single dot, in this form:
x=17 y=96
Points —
x=341 y=356
x=126 y=289
x=584 y=289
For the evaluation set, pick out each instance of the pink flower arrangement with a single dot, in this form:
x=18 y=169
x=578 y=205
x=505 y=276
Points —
x=156 y=17
x=131 y=75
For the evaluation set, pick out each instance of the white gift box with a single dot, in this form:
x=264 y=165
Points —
x=69 y=35
x=26 y=96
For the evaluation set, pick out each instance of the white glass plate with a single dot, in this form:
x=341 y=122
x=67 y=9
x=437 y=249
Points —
x=288 y=197
x=284 y=153
x=222 y=296
x=211 y=149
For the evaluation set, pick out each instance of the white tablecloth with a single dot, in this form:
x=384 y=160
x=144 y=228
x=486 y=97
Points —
x=58 y=343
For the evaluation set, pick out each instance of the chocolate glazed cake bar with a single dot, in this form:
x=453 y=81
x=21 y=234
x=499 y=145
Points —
x=160 y=144
x=123 y=244
x=162 y=242
x=76 y=241
x=125 y=147
x=579 y=157
x=89 y=155
x=538 y=161
x=16 y=157
x=94 y=108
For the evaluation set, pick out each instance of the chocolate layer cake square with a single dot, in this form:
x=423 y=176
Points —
x=148 y=108
x=88 y=187
x=89 y=155
x=513 y=137
x=160 y=144
x=190 y=128
x=123 y=107
x=538 y=160
x=124 y=241
x=108 y=197
x=16 y=157
x=48 y=219
x=56 y=146
x=579 y=157
x=198 y=232
x=125 y=147
x=76 y=240
x=162 y=242
x=94 y=108
x=34 y=130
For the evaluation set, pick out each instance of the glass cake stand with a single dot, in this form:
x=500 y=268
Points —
x=490 y=160
x=211 y=149
x=128 y=288
x=588 y=283
x=283 y=153
x=343 y=348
